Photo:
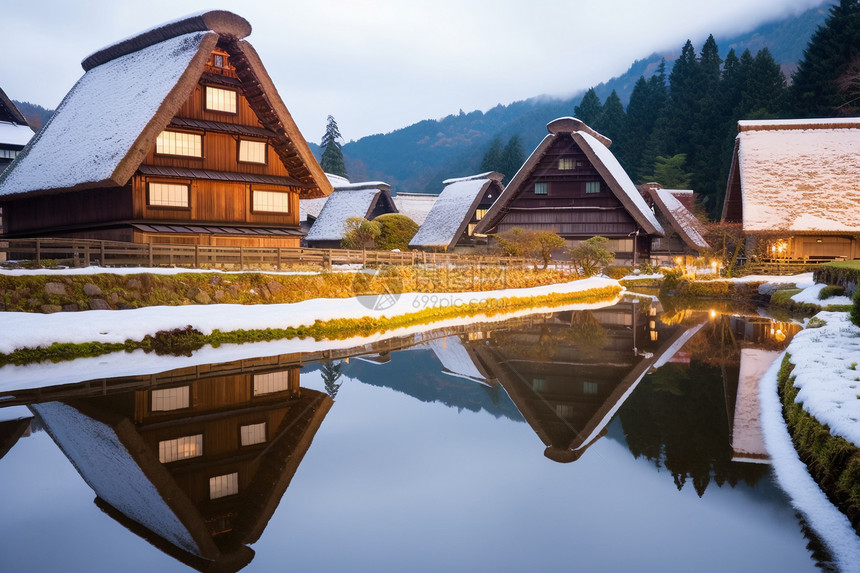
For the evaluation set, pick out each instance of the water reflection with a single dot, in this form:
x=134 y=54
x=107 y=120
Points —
x=196 y=460
x=198 y=466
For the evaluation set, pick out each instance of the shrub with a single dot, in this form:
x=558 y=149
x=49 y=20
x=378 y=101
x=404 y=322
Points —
x=855 y=310
x=591 y=255
x=359 y=233
x=396 y=231
x=831 y=290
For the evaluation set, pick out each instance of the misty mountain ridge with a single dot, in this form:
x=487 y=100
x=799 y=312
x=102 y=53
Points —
x=417 y=158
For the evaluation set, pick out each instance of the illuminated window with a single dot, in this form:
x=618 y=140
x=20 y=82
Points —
x=565 y=163
x=252 y=151
x=590 y=388
x=271 y=201
x=479 y=214
x=218 y=99
x=592 y=186
x=271 y=382
x=541 y=188
x=180 y=448
x=168 y=195
x=253 y=434
x=179 y=143
x=171 y=399
x=222 y=486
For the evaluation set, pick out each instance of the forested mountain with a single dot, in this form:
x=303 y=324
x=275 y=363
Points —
x=419 y=157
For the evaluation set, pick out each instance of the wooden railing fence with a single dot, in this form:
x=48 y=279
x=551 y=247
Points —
x=87 y=252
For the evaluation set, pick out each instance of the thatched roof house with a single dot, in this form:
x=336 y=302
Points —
x=573 y=185
x=794 y=183
x=15 y=132
x=174 y=135
x=457 y=211
x=416 y=206
x=368 y=200
x=685 y=233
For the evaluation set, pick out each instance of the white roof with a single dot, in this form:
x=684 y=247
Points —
x=800 y=175
x=103 y=114
x=455 y=359
x=336 y=180
x=14 y=133
x=454 y=205
x=416 y=206
x=311 y=207
x=341 y=205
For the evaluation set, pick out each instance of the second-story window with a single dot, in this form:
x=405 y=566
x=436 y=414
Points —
x=541 y=188
x=252 y=151
x=218 y=99
x=179 y=143
x=565 y=164
x=592 y=186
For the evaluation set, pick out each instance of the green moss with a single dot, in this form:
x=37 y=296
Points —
x=833 y=461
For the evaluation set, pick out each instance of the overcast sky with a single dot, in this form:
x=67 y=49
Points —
x=379 y=65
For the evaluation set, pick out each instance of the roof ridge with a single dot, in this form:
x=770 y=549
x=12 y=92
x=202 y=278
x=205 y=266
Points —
x=222 y=22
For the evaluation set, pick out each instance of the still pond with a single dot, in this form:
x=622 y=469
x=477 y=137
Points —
x=615 y=439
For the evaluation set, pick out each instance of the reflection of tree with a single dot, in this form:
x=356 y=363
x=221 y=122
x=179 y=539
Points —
x=545 y=341
x=680 y=423
x=716 y=343
x=331 y=373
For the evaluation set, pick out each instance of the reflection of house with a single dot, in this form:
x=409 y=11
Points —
x=793 y=183
x=416 y=206
x=175 y=135
x=15 y=132
x=573 y=185
x=457 y=211
x=367 y=200
x=685 y=234
x=459 y=359
x=197 y=467
x=747 y=438
x=570 y=375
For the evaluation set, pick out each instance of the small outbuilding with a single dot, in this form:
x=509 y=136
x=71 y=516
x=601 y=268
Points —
x=573 y=185
x=684 y=232
x=793 y=185
x=367 y=200
x=457 y=211
x=416 y=206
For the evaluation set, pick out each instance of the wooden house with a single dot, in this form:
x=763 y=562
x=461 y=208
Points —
x=793 y=185
x=197 y=466
x=367 y=200
x=684 y=232
x=456 y=212
x=15 y=132
x=176 y=135
x=573 y=185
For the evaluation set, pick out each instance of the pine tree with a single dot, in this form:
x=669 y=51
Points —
x=765 y=92
x=512 y=158
x=613 y=124
x=833 y=50
x=589 y=109
x=645 y=139
x=332 y=157
x=492 y=160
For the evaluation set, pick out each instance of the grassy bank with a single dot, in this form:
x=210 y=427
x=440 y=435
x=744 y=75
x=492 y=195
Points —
x=184 y=341
x=833 y=461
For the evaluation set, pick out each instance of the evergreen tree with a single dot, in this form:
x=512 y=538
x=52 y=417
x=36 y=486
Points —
x=765 y=92
x=512 y=158
x=684 y=100
x=669 y=172
x=613 y=124
x=332 y=157
x=644 y=139
x=492 y=160
x=706 y=134
x=331 y=373
x=833 y=48
x=589 y=109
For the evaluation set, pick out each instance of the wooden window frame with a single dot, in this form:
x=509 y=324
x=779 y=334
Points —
x=265 y=440
x=599 y=187
x=162 y=446
x=183 y=183
x=184 y=132
x=544 y=185
x=207 y=87
x=228 y=476
x=265 y=212
x=152 y=394
x=566 y=164
x=251 y=140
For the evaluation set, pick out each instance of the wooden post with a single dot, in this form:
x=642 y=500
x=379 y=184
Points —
x=150 y=254
x=196 y=256
x=86 y=255
x=241 y=258
x=102 y=253
x=38 y=252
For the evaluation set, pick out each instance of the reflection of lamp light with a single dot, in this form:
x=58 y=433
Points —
x=780 y=336
x=653 y=336
x=713 y=313
x=714 y=266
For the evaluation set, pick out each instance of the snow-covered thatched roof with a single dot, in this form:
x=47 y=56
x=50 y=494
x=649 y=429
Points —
x=350 y=200
x=457 y=360
x=454 y=208
x=104 y=127
x=796 y=175
x=683 y=221
x=596 y=149
x=416 y=206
